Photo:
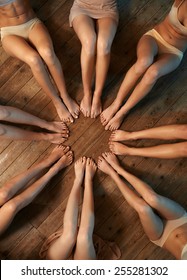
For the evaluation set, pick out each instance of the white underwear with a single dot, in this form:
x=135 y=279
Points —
x=163 y=46
x=21 y=30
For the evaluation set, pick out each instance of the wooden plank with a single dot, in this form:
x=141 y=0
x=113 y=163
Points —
x=29 y=249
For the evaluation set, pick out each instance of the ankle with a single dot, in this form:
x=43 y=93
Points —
x=88 y=179
x=45 y=124
x=87 y=91
x=97 y=94
x=119 y=170
x=56 y=100
x=129 y=151
x=114 y=175
x=77 y=182
x=64 y=95
x=87 y=96
x=117 y=104
x=132 y=136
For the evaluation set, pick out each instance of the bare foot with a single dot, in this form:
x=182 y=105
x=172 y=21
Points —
x=118 y=148
x=104 y=166
x=91 y=168
x=80 y=168
x=72 y=106
x=57 y=127
x=57 y=138
x=66 y=159
x=120 y=135
x=108 y=113
x=63 y=112
x=111 y=159
x=57 y=153
x=96 y=107
x=33 y=172
x=63 y=162
x=60 y=150
x=114 y=123
x=85 y=106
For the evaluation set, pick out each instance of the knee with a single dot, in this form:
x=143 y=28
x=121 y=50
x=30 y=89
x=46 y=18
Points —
x=34 y=60
x=143 y=209
x=89 y=44
x=142 y=64
x=3 y=112
x=2 y=130
x=182 y=130
x=4 y=195
x=84 y=236
x=11 y=208
x=183 y=149
x=103 y=47
x=48 y=54
x=153 y=199
x=70 y=235
x=152 y=75
x=8 y=212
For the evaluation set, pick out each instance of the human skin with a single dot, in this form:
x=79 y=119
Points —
x=95 y=58
x=23 y=188
x=14 y=115
x=153 y=209
x=37 y=51
x=150 y=66
x=166 y=132
x=72 y=236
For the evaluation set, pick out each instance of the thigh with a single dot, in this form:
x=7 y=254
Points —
x=85 y=251
x=84 y=27
x=39 y=36
x=152 y=223
x=106 y=29
x=147 y=47
x=169 y=209
x=17 y=47
x=61 y=248
x=166 y=63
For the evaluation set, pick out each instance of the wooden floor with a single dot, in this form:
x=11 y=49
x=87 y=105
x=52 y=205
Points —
x=166 y=104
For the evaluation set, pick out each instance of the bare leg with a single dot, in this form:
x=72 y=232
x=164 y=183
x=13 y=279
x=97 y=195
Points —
x=21 y=181
x=23 y=51
x=14 y=133
x=167 y=208
x=168 y=132
x=62 y=248
x=165 y=64
x=106 y=31
x=40 y=37
x=84 y=247
x=146 y=50
x=85 y=30
x=166 y=151
x=15 y=115
x=13 y=206
x=152 y=224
